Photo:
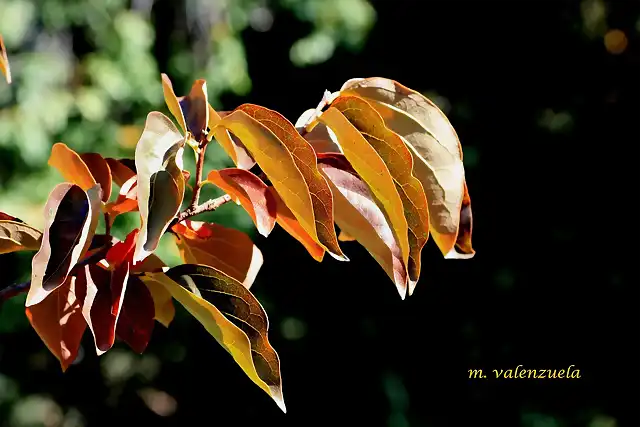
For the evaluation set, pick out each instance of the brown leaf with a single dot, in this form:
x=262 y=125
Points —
x=306 y=161
x=4 y=61
x=395 y=154
x=463 y=248
x=121 y=170
x=195 y=109
x=18 y=236
x=71 y=218
x=225 y=249
x=71 y=166
x=160 y=180
x=373 y=171
x=233 y=316
x=290 y=224
x=360 y=216
x=58 y=321
x=249 y=191
x=434 y=145
x=100 y=171
x=135 y=324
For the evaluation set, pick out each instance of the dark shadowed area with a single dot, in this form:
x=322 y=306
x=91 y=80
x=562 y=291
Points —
x=545 y=98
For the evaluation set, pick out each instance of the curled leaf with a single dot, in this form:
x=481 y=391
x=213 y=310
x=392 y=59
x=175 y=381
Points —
x=160 y=180
x=225 y=249
x=233 y=316
x=18 y=236
x=58 y=321
x=397 y=157
x=463 y=248
x=358 y=215
x=306 y=161
x=434 y=145
x=4 y=61
x=71 y=218
x=249 y=191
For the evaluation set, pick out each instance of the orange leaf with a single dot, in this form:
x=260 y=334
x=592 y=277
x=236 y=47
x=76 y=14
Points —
x=135 y=324
x=100 y=171
x=122 y=170
x=122 y=251
x=233 y=147
x=249 y=191
x=397 y=157
x=225 y=249
x=127 y=200
x=288 y=221
x=71 y=218
x=345 y=237
x=71 y=166
x=58 y=321
x=4 y=61
x=463 y=248
x=306 y=161
x=373 y=171
x=358 y=215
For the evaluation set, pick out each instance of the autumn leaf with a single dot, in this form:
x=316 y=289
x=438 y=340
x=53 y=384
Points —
x=345 y=237
x=395 y=154
x=249 y=191
x=373 y=171
x=225 y=249
x=18 y=236
x=4 y=61
x=121 y=170
x=162 y=299
x=290 y=224
x=71 y=218
x=127 y=200
x=321 y=138
x=231 y=144
x=195 y=108
x=434 y=145
x=463 y=248
x=358 y=215
x=172 y=102
x=100 y=171
x=71 y=166
x=58 y=321
x=160 y=180
x=233 y=316
x=306 y=161
x=135 y=324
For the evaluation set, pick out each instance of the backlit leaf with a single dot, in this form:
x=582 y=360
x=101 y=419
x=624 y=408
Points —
x=463 y=248
x=160 y=180
x=373 y=171
x=277 y=163
x=135 y=324
x=162 y=299
x=18 y=236
x=249 y=191
x=358 y=215
x=121 y=170
x=172 y=102
x=100 y=171
x=434 y=146
x=395 y=154
x=127 y=200
x=195 y=109
x=290 y=224
x=226 y=249
x=58 y=321
x=232 y=315
x=71 y=166
x=4 y=61
x=231 y=145
x=70 y=221
x=306 y=161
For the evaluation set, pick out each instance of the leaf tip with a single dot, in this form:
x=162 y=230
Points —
x=276 y=395
x=454 y=254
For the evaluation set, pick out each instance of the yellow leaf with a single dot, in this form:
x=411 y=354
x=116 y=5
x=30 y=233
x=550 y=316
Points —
x=160 y=180
x=345 y=237
x=17 y=236
x=4 y=61
x=162 y=300
x=233 y=147
x=306 y=161
x=172 y=102
x=232 y=315
x=395 y=154
x=434 y=145
x=372 y=169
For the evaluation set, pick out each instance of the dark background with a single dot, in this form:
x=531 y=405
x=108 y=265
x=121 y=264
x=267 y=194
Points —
x=548 y=120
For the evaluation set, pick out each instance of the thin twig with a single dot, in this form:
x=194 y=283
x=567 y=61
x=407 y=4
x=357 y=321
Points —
x=208 y=206
x=198 y=185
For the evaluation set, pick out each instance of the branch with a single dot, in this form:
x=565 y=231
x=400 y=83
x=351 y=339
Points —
x=208 y=206
x=198 y=185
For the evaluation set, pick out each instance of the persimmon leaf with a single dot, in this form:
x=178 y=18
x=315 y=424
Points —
x=121 y=170
x=434 y=145
x=195 y=109
x=306 y=161
x=4 y=61
x=71 y=166
x=160 y=180
x=395 y=154
x=233 y=316
x=231 y=145
x=58 y=321
x=135 y=324
x=162 y=299
x=249 y=191
x=71 y=218
x=373 y=171
x=172 y=102
x=100 y=171
x=127 y=200
x=290 y=224
x=463 y=248
x=18 y=236
x=358 y=215
x=226 y=249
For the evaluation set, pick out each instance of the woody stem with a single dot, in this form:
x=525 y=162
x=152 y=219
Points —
x=198 y=185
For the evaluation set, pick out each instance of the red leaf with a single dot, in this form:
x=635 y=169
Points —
x=135 y=324
x=58 y=321
x=122 y=251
